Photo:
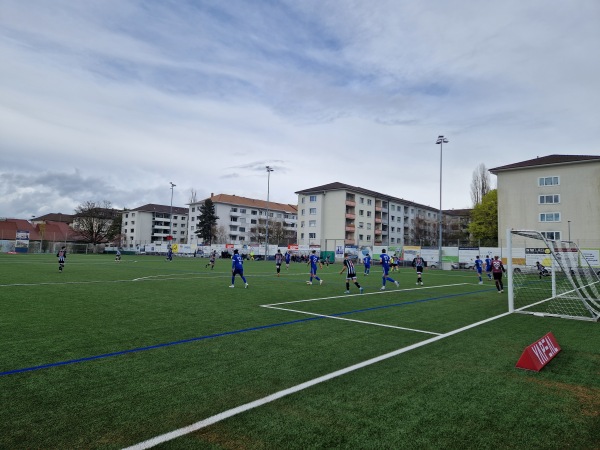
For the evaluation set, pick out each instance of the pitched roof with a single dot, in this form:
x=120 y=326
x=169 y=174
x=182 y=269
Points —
x=547 y=161
x=151 y=207
x=55 y=217
x=254 y=203
x=465 y=212
x=337 y=186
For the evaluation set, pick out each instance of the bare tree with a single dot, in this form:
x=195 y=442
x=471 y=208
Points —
x=93 y=221
x=480 y=185
x=193 y=196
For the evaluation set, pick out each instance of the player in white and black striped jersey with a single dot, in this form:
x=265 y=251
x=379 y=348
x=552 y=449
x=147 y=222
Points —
x=350 y=275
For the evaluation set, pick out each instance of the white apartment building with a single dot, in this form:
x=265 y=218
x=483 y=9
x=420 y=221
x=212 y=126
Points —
x=338 y=214
x=558 y=195
x=243 y=220
x=152 y=224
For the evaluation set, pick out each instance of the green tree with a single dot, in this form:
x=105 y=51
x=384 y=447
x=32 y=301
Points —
x=207 y=222
x=484 y=220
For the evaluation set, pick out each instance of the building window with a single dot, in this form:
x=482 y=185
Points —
x=126 y=215
x=302 y=213
x=551 y=235
x=361 y=212
x=242 y=211
x=393 y=240
x=393 y=207
x=253 y=221
x=313 y=211
x=543 y=199
x=368 y=213
x=393 y=229
x=369 y=201
x=302 y=201
x=548 y=181
x=132 y=214
x=233 y=209
x=361 y=224
x=312 y=235
x=312 y=223
x=301 y=235
x=393 y=218
x=302 y=224
x=368 y=237
x=193 y=208
x=312 y=198
x=550 y=217
x=368 y=226
x=242 y=229
x=254 y=212
x=175 y=217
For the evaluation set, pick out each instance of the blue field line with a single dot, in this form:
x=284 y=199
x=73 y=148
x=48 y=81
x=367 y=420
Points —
x=211 y=336
x=441 y=297
x=152 y=347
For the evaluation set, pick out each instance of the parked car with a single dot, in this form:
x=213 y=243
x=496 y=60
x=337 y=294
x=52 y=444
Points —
x=463 y=265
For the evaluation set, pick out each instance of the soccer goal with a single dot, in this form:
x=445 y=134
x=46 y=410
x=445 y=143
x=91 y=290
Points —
x=550 y=278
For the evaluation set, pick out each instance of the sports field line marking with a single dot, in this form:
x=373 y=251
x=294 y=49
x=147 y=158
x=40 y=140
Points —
x=277 y=395
x=366 y=293
x=326 y=316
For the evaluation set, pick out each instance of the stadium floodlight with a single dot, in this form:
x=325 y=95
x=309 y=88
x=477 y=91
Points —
x=269 y=170
x=441 y=140
x=171 y=216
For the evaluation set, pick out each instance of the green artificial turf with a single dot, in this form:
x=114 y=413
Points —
x=107 y=355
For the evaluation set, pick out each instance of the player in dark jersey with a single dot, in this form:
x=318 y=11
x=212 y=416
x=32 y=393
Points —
x=350 y=275
x=211 y=260
x=497 y=271
x=62 y=256
x=419 y=263
x=278 y=261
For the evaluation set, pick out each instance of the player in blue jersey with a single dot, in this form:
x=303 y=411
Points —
x=313 y=260
x=288 y=258
x=488 y=266
x=351 y=275
x=385 y=264
x=169 y=254
x=479 y=268
x=367 y=263
x=237 y=268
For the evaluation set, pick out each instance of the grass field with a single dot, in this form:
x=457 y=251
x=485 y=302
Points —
x=109 y=355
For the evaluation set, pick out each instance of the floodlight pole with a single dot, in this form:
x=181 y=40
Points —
x=441 y=140
x=171 y=216
x=269 y=170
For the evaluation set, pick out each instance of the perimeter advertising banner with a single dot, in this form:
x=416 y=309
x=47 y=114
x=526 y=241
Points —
x=22 y=241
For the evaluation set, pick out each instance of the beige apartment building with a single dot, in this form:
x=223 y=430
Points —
x=338 y=214
x=558 y=195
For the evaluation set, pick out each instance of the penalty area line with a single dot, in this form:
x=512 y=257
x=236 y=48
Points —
x=277 y=395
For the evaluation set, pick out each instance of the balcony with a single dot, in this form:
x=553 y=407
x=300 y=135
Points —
x=378 y=208
x=350 y=216
x=349 y=241
x=350 y=228
x=350 y=203
x=377 y=220
x=377 y=232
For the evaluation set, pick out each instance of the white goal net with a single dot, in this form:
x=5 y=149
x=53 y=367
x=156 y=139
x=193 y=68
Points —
x=550 y=278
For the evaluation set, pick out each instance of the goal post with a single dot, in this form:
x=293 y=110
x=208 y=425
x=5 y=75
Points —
x=550 y=277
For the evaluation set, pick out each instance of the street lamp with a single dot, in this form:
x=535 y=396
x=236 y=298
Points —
x=171 y=217
x=569 y=228
x=269 y=170
x=441 y=140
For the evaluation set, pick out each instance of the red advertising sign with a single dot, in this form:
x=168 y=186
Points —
x=293 y=247
x=538 y=354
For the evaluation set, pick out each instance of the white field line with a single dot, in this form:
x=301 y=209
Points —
x=353 y=320
x=277 y=395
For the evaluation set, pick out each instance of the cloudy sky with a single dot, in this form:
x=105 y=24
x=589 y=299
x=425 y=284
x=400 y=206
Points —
x=114 y=99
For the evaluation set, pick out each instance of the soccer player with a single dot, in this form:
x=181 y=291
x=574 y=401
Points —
x=479 y=268
x=497 y=271
x=351 y=275
x=418 y=263
x=237 y=268
x=288 y=258
x=118 y=256
x=488 y=266
x=313 y=260
x=170 y=254
x=61 y=255
x=367 y=263
x=211 y=260
x=278 y=261
x=385 y=263
x=542 y=271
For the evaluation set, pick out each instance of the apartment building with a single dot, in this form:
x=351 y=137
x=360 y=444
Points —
x=243 y=220
x=558 y=195
x=339 y=214
x=153 y=224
